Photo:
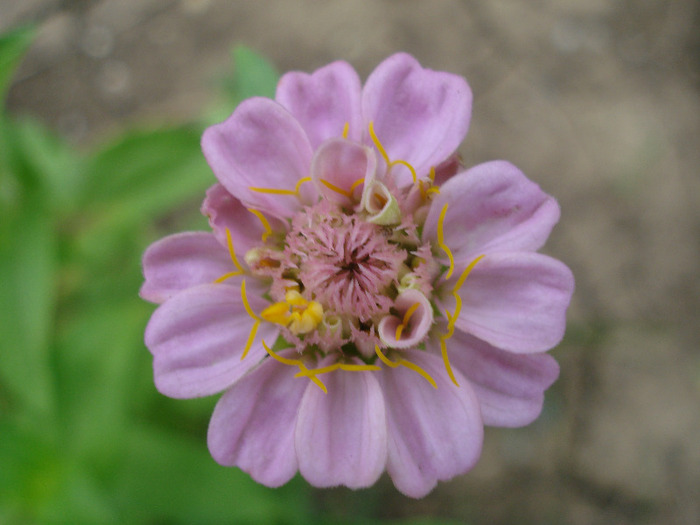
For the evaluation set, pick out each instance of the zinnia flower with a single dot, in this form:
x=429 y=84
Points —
x=364 y=303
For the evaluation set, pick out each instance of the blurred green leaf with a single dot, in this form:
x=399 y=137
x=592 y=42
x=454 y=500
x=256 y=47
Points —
x=253 y=76
x=27 y=299
x=137 y=179
x=13 y=45
x=165 y=478
x=42 y=162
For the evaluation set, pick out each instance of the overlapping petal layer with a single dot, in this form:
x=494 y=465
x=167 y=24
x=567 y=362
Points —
x=197 y=339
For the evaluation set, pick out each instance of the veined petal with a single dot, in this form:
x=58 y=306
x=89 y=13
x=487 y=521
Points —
x=261 y=146
x=510 y=387
x=324 y=101
x=197 y=339
x=181 y=261
x=434 y=433
x=420 y=116
x=340 y=168
x=516 y=301
x=253 y=423
x=341 y=436
x=492 y=207
x=226 y=212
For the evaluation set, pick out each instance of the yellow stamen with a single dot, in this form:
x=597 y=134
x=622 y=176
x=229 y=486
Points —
x=234 y=259
x=406 y=318
x=265 y=223
x=452 y=317
x=441 y=241
x=404 y=163
x=385 y=155
x=346 y=128
x=295 y=362
x=336 y=189
x=378 y=144
x=337 y=366
x=276 y=191
x=254 y=328
x=407 y=364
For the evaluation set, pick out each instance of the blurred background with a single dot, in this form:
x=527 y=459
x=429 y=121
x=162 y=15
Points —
x=595 y=100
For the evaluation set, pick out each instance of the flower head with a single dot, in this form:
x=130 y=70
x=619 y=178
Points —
x=364 y=302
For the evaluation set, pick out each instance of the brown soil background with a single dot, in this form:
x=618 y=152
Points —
x=596 y=100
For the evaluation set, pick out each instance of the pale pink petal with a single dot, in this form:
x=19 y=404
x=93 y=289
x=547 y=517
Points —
x=197 y=339
x=510 y=387
x=420 y=116
x=261 y=146
x=226 y=212
x=491 y=207
x=341 y=436
x=253 y=423
x=434 y=434
x=181 y=261
x=516 y=301
x=339 y=169
x=417 y=326
x=324 y=101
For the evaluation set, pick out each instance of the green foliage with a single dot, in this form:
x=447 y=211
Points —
x=84 y=436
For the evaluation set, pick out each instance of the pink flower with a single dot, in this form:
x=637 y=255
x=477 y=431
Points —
x=357 y=316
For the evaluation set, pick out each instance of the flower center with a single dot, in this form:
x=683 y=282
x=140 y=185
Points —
x=342 y=261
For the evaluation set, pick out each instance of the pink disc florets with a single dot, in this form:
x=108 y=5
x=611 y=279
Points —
x=344 y=262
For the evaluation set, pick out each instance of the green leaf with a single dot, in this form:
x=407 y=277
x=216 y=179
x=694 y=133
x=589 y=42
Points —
x=41 y=162
x=165 y=478
x=136 y=180
x=253 y=75
x=13 y=45
x=27 y=298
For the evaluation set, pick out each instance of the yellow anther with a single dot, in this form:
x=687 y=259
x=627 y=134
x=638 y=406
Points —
x=346 y=129
x=294 y=298
x=265 y=223
x=295 y=312
x=277 y=313
x=306 y=320
x=315 y=311
x=276 y=191
x=441 y=241
x=407 y=364
x=406 y=319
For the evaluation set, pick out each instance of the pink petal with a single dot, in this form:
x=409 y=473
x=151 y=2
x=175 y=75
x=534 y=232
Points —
x=181 y=261
x=340 y=163
x=253 y=423
x=434 y=434
x=492 y=207
x=418 y=324
x=324 y=101
x=227 y=212
x=510 y=387
x=341 y=435
x=261 y=145
x=516 y=301
x=420 y=116
x=197 y=339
